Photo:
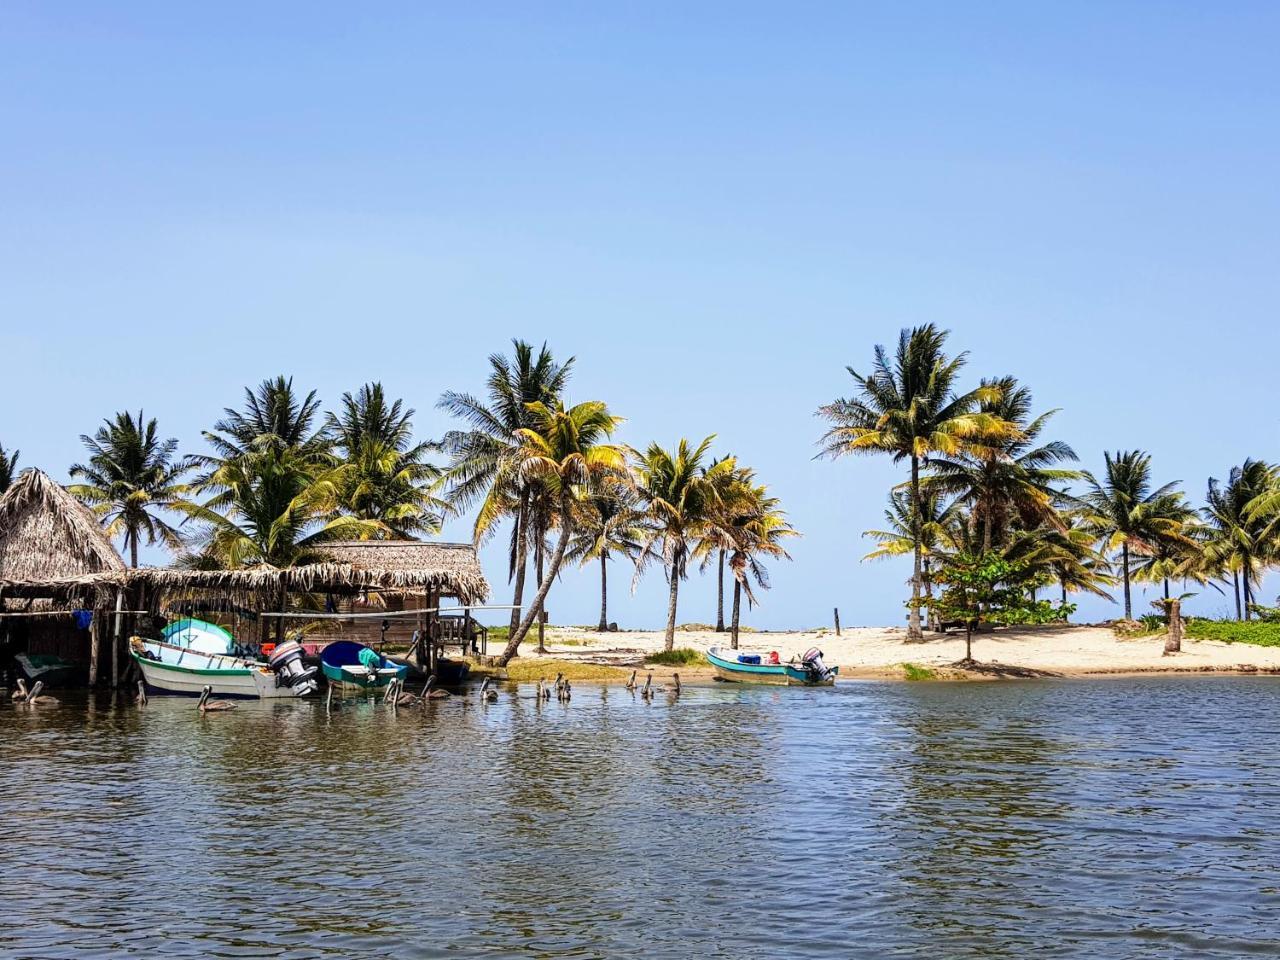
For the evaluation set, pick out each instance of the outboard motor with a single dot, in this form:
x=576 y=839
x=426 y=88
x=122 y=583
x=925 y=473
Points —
x=286 y=664
x=813 y=664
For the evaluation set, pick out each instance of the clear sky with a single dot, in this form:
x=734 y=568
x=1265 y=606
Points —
x=715 y=207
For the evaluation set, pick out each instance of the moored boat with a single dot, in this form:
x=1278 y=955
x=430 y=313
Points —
x=356 y=665
x=741 y=666
x=167 y=668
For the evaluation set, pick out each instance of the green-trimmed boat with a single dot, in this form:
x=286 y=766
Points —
x=740 y=666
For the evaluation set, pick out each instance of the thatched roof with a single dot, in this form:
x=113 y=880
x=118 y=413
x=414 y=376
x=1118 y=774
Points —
x=50 y=543
x=387 y=566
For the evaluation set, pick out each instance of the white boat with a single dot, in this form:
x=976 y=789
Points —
x=168 y=668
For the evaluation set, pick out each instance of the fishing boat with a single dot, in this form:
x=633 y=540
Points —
x=195 y=654
x=741 y=666
x=356 y=665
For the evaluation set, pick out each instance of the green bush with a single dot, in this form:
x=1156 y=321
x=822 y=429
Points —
x=1260 y=633
x=679 y=657
x=911 y=671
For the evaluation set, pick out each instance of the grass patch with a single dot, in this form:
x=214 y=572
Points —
x=911 y=671
x=679 y=657
x=527 y=671
x=1255 y=632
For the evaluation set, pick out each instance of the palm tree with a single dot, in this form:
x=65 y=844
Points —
x=131 y=474
x=937 y=517
x=908 y=407
x=273 y=418
x=682 y=501
x=8 y=467
x=758 y=525
x=482 y=455
x=1125 y=514
x=718 y=544
x=565 y=450
x=1011 y=480
x=608 y=521
x=1240 y=532
x=390 y=479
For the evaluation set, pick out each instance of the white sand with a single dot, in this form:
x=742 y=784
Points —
x=879 y=651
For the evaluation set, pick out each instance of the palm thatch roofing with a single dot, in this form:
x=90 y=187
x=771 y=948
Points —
x=386 y=566
x=51 y=545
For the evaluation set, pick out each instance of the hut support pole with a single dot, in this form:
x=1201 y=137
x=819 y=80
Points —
x=115 y=639
x=95 y=644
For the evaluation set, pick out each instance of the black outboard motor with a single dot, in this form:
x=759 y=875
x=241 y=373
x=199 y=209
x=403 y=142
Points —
x=286 y=664
x=814 y=666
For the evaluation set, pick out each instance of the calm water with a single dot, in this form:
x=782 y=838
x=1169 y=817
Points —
x=1099 y=819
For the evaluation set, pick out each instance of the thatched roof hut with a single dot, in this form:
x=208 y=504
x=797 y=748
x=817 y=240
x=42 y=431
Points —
x=51 y=545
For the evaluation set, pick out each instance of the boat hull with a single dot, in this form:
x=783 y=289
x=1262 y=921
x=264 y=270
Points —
x=228 y=676
x=769 y=674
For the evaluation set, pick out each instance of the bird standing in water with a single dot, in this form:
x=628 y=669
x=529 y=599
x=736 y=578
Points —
x=488 y=693
x=212 y=706
x=34 y=699
x=140 y=698
x=19 y=695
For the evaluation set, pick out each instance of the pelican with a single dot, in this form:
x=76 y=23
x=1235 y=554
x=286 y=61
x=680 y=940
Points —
x=488 y=693
x=399 y=697
x=140 y=698
x=429 y=692
x=538 y=691
x=20 y=694
x=647 y=690
x=631 y=683
x=566 y=693
x=212 y=706
x=675 y=680
x=34 y=699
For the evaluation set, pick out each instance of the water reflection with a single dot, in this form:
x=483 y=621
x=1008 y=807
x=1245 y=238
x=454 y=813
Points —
x=1068 y=819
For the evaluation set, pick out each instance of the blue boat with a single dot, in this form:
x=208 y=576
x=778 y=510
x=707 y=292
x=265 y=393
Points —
x=741 y=666
x=347 y=662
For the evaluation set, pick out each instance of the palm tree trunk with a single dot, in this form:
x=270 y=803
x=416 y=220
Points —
x=720 y=596
x=538 y=567
x=1166 y=588
x=1124 y=570
x=133 y=549
x=1064 y=591
x=928 y=595
x=1235 y=583
x=522 y=519
x=1246 y=566
x=737 y=607
x=914 y=634
x=670 y=640
x=535 y=608
x=604 y=592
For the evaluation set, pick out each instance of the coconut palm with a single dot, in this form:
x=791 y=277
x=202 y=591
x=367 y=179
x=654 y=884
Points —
x=132 y=475
x=273 y=418
x=717 y=544
x=607 y=522
x=8 y=468
x=390 y=479
x=1011 y=480
x=565 y=450
x=758 y=526
x=682 y=500
x=1240 y=528
x=909 y=408
x=1127 y=515
x=937 y=518
x=483 y=454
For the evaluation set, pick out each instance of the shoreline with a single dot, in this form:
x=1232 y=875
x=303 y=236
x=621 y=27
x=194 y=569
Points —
x=882 y=653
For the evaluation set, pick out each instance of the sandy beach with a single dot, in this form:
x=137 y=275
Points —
x=879 y=652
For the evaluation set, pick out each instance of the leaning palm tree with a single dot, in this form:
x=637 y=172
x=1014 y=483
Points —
x=483 y=453
x=131 y=475
x=8 y=468
x=391 y=478
x=909 y=408
x=1240 y=532
x=565 y=450
x=682 y=501
x=1127 y=515
x=608 y=522
x=759 y=526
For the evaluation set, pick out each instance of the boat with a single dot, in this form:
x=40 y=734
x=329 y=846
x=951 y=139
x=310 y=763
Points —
x=356 y=665
x=50 y=669
x=742 y=666
x=168 y=668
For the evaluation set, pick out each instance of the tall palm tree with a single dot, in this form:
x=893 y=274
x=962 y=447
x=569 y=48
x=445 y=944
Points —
x=482 y=456
x=607 y=522
x=718 y=545
x=273 y=418
x=909 y=408
x=131 y=475
x=1240 y=532
x=937 y=517
x=1126 y=514
x=682 y=500
x=564 y=449
x=390 y=479
x=759 y=526
x=1010 y=480
x=8 y=468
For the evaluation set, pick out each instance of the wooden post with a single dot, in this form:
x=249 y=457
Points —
x=1173 y=639
x=115 y=639
x=837 y=609
x=466 y=631
x=95 y=642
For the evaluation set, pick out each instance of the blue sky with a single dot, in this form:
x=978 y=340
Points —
x=715 y=207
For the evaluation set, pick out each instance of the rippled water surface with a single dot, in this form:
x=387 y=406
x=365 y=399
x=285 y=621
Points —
x=1054 y=819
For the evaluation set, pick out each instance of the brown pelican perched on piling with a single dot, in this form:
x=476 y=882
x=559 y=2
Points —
x=19 y=695
x=488 y=693
x=34 y=699
x=212 y=706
